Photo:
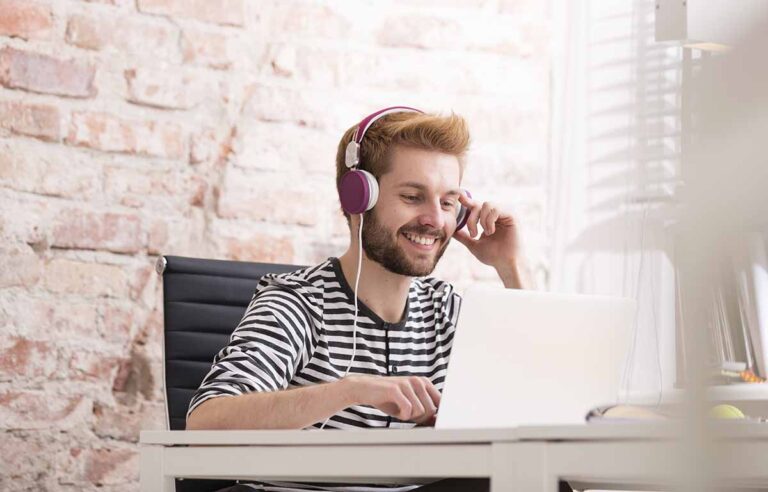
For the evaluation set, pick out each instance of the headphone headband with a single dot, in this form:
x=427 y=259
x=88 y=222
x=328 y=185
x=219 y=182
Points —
x=352 y=154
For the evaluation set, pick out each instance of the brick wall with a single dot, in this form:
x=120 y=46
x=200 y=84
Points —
x=130 y=128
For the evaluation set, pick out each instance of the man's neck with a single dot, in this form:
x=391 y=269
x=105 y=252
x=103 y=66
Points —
x=384 y=292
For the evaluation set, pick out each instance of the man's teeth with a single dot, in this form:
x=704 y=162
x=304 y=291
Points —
x=426 y=241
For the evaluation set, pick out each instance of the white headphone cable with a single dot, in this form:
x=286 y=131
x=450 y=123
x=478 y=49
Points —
x=357 y=284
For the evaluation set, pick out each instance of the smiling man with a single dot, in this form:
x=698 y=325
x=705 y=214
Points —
x=363 y=340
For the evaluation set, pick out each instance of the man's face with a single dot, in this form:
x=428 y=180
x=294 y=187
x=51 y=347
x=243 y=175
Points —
x=415 y=216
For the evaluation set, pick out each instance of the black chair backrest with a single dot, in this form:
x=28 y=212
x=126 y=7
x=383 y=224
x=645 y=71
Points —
x=203 y=301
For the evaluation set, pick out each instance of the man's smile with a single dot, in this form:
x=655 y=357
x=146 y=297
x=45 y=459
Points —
x=422 y=243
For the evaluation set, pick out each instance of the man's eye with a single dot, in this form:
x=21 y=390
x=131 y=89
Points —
x=449 y=204
x=410 y=197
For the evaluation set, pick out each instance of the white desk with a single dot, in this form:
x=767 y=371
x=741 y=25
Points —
x=529 y=459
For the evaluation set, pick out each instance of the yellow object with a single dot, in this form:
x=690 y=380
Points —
x=726 y=412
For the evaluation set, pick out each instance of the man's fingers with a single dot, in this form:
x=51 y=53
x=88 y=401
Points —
x=463 y=237
x=472 y=221
x=474 y=213
x=402 y=403
x=417 y=408
x=430 y=422
x=466 y=201
x=410 y=398
x=420 y=387
x=485 y=214
x=434 y=394
x=490 y=221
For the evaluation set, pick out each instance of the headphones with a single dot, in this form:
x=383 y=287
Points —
x=358 y=189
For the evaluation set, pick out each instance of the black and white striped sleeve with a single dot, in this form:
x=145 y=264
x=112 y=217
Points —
x=453 y=307
x=272 y=341
x=447 y=302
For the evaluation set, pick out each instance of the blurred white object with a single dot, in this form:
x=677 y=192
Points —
x=724 y=203
x=707 y=24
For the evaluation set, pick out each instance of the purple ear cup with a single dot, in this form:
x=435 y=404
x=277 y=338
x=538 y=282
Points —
x=463 y=214
x=358 y=191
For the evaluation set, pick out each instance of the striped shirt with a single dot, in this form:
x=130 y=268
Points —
x=297 y=331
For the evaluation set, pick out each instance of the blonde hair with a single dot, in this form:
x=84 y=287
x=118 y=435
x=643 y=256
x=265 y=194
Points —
x=446 y=134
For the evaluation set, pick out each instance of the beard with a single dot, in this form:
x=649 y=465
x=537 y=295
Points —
x=381 y=246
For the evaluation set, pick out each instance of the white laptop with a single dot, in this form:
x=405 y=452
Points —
x=532 y=358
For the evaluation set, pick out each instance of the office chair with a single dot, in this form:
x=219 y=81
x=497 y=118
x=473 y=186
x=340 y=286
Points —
x=203 y=302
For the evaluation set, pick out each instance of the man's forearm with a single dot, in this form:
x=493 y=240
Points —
x=510 y=276
x=287 y=409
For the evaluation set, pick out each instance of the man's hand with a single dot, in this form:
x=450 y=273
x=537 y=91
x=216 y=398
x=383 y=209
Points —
x=499 y=245
x=407 y=398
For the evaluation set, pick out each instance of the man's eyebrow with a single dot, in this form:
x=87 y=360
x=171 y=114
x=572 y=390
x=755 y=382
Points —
x=421 y=187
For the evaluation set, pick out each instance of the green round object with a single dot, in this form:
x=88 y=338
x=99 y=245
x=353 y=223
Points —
x=726 y=412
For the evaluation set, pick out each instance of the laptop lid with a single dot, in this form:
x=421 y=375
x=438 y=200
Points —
x=530 y=358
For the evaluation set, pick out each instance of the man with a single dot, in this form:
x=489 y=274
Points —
x=364 y=340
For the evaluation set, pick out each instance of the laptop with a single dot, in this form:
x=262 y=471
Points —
x=534 y=358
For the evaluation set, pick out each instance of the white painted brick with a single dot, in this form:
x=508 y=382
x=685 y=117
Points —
x=213 y=134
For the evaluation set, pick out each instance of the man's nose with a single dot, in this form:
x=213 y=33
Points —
x=433 y=215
